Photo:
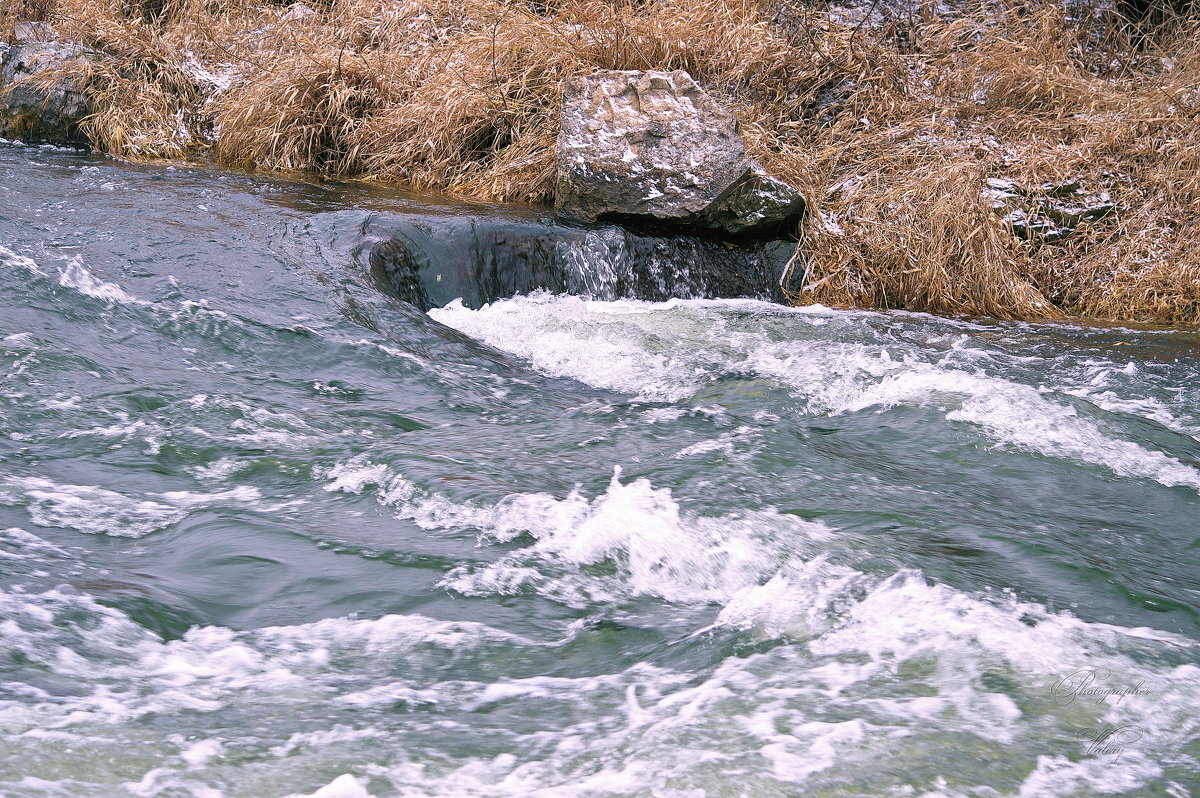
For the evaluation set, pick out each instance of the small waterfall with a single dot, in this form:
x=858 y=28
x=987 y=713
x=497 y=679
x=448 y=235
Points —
x=431 y=259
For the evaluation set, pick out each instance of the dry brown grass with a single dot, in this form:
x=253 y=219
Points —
x=1014 y=96
x=890 y=130
x=14 y=11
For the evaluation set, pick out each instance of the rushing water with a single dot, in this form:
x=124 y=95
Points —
x=265 y=532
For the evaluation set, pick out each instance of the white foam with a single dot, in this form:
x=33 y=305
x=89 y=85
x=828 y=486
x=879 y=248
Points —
x=429 y=511
x=149 y=432
x=726 y=443
x=354 y=475
x=844 y=616
x=836 y=670
x=572 y=337
x=69 y=403
x=98 y=511
x=390 y=695
x=24 y=544
x=76 y=276
x=659 y=415
x=10 y=258
x=218 y=470
x=326 y=737
x=789 y=713
x=210 y=667
x=187 y=498
x=795 y=763
x=122 y=429
x=90 y=509
x=199 y=754
x=636 y=528
x=797 y=602
x=1057 y=776
x=667 y=351
x=344 y=786
x=1020 y=416
x=1143 y=407
x=272 y=428
x=640 y=532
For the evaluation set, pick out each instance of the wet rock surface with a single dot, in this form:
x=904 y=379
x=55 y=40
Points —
x=430 y=260
x=39 y=99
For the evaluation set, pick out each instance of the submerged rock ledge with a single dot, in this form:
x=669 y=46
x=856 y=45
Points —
x=431 y=259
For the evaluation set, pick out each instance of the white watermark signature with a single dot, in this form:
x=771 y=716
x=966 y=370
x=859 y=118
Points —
x=1108 y=740
x=1092 y=685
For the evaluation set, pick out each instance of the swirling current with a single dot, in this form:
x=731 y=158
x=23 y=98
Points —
x=267 y=532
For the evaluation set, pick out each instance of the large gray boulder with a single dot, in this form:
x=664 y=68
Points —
x=655 y=146
x=41 y=100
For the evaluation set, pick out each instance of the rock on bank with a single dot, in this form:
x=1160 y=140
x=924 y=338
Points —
x=655 y=147
x=42 y=98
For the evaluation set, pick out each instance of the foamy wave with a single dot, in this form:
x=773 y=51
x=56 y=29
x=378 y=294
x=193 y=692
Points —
x=90 y=509
x=634 y=529
x=344 y=786
x=253 y=424
x=218 y=470
x=1143 y=407
x=904 y=659
x=726 y=443
x=1020 y=416
x=640 y=532
x=150 y=432
x=427 y=510
x=209 y=665
x=801 y=600
x=593 y=342
x=98 y=511
x=669 y=350
x=888 y=668
x=17 y=544
x=76 y=276
x=73 y=275
x=10 y=258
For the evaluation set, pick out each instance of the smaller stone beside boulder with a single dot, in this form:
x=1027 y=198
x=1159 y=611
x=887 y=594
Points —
x=40 y=99
x=756 y=202
x=655 y=146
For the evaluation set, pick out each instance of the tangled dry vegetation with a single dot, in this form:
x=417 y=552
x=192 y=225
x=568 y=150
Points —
x=890 y=124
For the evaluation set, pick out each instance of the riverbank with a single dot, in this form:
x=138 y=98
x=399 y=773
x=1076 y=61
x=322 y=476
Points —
x=267 y=534
x=1019 y=161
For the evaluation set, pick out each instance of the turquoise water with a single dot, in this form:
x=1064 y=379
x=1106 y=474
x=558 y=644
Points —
x=265 y=532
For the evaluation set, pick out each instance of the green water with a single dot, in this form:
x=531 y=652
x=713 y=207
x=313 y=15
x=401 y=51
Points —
x=265 y=532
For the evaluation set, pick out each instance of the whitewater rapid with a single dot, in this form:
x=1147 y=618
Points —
x=265 y=533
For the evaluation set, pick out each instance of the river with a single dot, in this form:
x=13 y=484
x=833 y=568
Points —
x=266 y=532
